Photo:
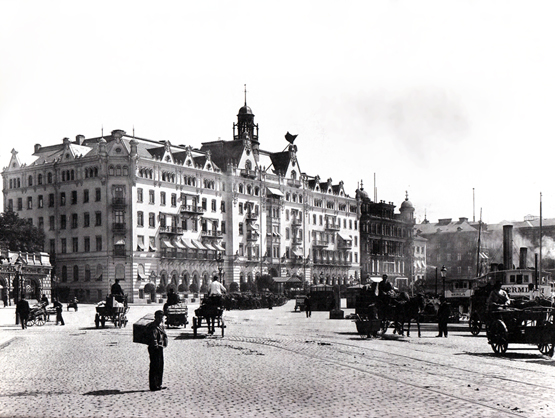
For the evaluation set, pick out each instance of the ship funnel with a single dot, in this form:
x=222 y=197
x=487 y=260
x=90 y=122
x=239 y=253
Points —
x=523 y=257
x=508 y=247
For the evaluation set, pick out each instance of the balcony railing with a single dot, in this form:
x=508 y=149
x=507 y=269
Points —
x=251 y=216
x=294 y=183
x=253 y=237
x=346 y=245
x=296 y=222
x=192 y=209
x=171 y=230
x=211 y=234
x=319 y=243
x=333 y=226
x=119 y=227
x=248 y=173
x=118 y=201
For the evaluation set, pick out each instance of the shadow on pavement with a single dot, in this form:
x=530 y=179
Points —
x=106 y=392
x=190 y=337
x=509 y=356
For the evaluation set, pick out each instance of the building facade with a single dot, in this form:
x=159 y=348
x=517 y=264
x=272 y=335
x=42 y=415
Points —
x=387 y=241
x=152 y=214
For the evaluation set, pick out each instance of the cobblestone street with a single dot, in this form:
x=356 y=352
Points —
x=270 y=363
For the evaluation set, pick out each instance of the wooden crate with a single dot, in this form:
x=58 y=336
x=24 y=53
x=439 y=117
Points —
x=140 y=334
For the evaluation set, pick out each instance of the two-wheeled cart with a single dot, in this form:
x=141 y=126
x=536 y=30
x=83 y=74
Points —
x=176 y=315
x=37 y=316
x=531 y=325
x=111 y=310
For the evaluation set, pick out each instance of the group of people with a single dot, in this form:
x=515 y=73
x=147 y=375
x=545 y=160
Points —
x=23 y=310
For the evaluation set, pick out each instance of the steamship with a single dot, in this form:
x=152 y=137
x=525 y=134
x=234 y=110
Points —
x=522 y=282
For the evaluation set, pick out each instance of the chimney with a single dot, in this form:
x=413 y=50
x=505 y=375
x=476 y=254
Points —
x=79 y=139
x=37 y=147
x=508 y=247
x=523 y=257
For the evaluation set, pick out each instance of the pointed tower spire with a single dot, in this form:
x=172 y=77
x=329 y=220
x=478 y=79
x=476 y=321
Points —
x=245 y=94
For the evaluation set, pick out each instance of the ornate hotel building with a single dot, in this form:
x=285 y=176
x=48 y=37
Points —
x=152 y=213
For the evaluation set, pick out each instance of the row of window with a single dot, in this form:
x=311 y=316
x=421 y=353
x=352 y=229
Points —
x=66 y=175
x=52 y=200
x=87 y=241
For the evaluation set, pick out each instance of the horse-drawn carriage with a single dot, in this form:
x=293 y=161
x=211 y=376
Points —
x=112 y=310
x=375 y=312
x=211 y=311
x=529 y=325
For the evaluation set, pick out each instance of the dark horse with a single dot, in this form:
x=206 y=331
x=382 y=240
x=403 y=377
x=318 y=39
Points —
x=407 y=310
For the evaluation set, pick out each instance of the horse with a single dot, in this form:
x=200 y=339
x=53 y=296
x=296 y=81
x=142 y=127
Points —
x=407 y=310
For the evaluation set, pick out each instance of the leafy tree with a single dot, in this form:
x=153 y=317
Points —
x=20 y=234
x=265 y=282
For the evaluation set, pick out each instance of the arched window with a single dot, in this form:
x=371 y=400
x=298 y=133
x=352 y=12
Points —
x=63 y=176
x=87 y=273
x=249 y=189
x=118 y=170
x=125 y=170
x=75 y=273
x=64 y=274
x=256 y=191
x=39 y=179
x=248 y=164
x=293 y=174
x=111 y=170
x=73 y=174
x=30 y=180
x=240 y=188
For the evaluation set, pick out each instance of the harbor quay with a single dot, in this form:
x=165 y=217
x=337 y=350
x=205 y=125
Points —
x=270 y=363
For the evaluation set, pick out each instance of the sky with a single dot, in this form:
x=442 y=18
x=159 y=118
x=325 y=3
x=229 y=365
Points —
x=451 y=102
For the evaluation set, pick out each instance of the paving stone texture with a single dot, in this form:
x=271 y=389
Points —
x=270 y=363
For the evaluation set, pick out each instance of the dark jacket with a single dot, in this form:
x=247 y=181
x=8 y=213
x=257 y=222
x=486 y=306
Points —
x=157 y=335
x=22 y=308
x=444 y=312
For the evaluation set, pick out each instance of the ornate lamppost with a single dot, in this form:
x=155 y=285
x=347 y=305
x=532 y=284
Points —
x=443 y=274
x=220 y=261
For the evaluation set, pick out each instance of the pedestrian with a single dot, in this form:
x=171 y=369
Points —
x=44 y=301
x=59 y=308
x=443 y=313
x=308 y=306
x=5 y=299
x=22 y=309
x=158 y=339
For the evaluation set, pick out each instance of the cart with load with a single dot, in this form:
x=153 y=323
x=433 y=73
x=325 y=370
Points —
x=211 y=312
x=37 y=315
x=112 y=310
x=176 y=315
x=529 y=325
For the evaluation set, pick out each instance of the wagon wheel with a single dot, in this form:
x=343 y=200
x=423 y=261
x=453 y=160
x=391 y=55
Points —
x=548 y=348
x=385 y=325
x=498 y=337
x=195 y=326
x=30 y=322
x=475 y=324
x=222 y=325
x=40 y=320
x=97 y=320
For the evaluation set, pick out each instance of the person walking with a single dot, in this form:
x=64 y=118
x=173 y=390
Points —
x=59 y=308
x=158 y=340
x=443 y=313
x=308 y=306
x=22 y=309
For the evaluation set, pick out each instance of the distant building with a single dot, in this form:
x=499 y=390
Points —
x=154 y=214
x=24 y=273
x=387 y=241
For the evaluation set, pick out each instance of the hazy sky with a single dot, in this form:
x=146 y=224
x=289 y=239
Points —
x=434 y=97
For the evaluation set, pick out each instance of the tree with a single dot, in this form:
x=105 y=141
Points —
x=20 y=234
x=264 y=283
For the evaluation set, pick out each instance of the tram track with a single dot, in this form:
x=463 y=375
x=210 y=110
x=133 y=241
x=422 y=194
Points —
x=355 y=357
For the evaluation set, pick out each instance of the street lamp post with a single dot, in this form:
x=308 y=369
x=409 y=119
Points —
x=220 y=261
x=443 y=274
x=436 y=281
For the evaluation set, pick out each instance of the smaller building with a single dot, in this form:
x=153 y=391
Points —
x=24 y=273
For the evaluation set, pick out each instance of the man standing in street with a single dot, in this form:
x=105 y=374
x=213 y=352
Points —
x=308 y=306
x=443 y=314
x=59 y=308
x=22 y=309
x=158 y=340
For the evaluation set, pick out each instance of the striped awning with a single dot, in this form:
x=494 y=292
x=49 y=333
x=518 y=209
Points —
x=188 y=243
x=218 y=247
x=198 y=244
x=209 y=246
x=179 y=245
x=167 y=244
x=275 y=192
